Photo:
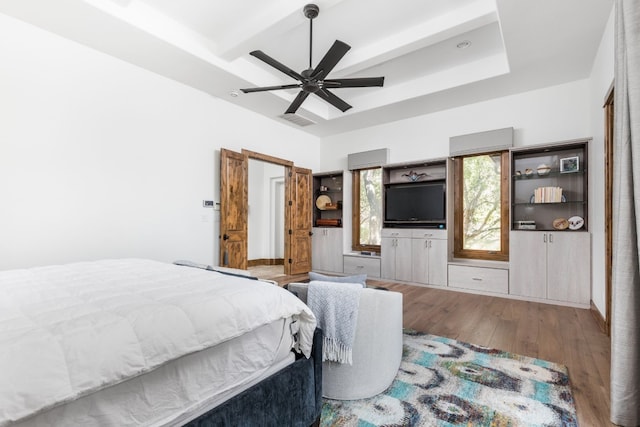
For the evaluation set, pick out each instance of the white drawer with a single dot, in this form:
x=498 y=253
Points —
x=427 y=233
x=362 y=265
x=396 y=232
x=479 y=278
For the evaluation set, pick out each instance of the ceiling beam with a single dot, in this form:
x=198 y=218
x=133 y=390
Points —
x=272 y=22
x=443 y=27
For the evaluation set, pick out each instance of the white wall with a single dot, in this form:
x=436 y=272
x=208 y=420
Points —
x=600 y=82
x=99 y=158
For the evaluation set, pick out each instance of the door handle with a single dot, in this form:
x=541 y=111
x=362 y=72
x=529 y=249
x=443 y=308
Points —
x=225 y=237
x=311 y=233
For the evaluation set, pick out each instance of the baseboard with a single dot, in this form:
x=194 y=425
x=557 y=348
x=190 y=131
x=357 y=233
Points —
x=265 y=261
x=602 y=323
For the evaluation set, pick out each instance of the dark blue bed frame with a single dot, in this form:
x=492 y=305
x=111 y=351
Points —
x=290 y=397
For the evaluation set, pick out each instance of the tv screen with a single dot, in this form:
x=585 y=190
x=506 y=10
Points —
x=416 y=202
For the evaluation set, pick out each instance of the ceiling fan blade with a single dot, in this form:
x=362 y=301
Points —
x=297 y=102
x=265 y=88
x=333 y=100
x=330 y=59
x=275 y=64
x=357 y=82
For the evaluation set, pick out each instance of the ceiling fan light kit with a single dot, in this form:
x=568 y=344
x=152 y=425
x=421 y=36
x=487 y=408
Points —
x=313 y=80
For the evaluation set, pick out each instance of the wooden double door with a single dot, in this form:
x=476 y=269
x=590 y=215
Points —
x=234 y=211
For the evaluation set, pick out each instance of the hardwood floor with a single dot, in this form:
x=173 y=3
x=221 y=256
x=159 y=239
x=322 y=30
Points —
x=565 y=335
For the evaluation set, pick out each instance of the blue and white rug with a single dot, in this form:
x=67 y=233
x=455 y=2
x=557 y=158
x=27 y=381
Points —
x=444 y=382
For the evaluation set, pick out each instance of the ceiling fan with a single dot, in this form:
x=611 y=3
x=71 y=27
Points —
x=313 y=80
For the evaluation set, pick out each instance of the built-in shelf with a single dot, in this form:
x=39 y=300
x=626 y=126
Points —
x=328 y=184
x=542 y=216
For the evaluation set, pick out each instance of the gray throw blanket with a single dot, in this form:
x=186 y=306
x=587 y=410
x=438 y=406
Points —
x=335 y=306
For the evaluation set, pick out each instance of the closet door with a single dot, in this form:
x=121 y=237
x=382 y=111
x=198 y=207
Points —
x=233 y=209
x=299 y=220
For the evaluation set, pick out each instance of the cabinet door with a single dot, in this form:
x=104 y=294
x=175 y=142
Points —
x=326 y=253
x=420 y=260
x=334 y=249
x=318 y=261
x=388 y=257
x=568 y=264
x=403 y=259
x=528 y=264
x=437 y=262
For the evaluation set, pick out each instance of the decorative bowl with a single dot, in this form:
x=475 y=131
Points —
x=560 y=223
x=543 y=169
x=528 y=172
x=576 y=222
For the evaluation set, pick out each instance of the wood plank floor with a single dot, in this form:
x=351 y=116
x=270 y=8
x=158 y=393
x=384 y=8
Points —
x=565 y=335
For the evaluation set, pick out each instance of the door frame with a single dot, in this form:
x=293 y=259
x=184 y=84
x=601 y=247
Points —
x=288 y=165
x=608 y=203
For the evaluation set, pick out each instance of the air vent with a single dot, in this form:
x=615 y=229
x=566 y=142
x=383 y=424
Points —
x=296 y=119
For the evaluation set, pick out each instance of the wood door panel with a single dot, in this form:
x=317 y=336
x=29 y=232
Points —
x=300 y=221
x=236 y=256
x=233 y=209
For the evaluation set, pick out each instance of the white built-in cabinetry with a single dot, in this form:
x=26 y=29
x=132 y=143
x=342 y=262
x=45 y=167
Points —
x=479 y=277
x=551 y=265
x=549 y=245
x=356 y=263
x=396 y=255
x=414 y=255
x=326 y=249
x=429 y=254
x=326 y=242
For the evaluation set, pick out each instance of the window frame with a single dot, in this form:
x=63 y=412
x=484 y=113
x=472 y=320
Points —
x=505 y=180
x=355 y=213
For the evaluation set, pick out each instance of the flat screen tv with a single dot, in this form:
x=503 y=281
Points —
x=416 y=203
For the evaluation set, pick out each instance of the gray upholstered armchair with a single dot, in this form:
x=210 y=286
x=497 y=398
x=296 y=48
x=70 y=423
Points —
x=377 y=347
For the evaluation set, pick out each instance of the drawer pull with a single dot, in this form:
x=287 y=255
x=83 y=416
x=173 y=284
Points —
x=477 y=279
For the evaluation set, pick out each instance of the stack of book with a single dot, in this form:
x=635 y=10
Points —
x=547 y=195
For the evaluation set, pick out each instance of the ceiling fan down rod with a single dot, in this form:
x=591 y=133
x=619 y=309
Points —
x=311 y=11
x=310 y=42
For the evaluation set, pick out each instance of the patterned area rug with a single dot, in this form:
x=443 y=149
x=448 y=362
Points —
x=444 y=382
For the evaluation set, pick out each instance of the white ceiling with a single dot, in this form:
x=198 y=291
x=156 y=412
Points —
x=516 y=46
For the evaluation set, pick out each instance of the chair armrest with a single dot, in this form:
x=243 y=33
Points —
x=300 y=290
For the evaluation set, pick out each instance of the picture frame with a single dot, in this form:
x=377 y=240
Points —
x=570 y=164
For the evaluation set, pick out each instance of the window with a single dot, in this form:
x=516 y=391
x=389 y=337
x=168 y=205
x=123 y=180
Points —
x=367 y=209
x=481 y=206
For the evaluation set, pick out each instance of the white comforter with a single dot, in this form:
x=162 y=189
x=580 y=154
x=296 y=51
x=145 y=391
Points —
x=66 y=331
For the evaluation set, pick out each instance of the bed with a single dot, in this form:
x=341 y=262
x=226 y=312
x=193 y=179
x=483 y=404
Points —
x=139 y=342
